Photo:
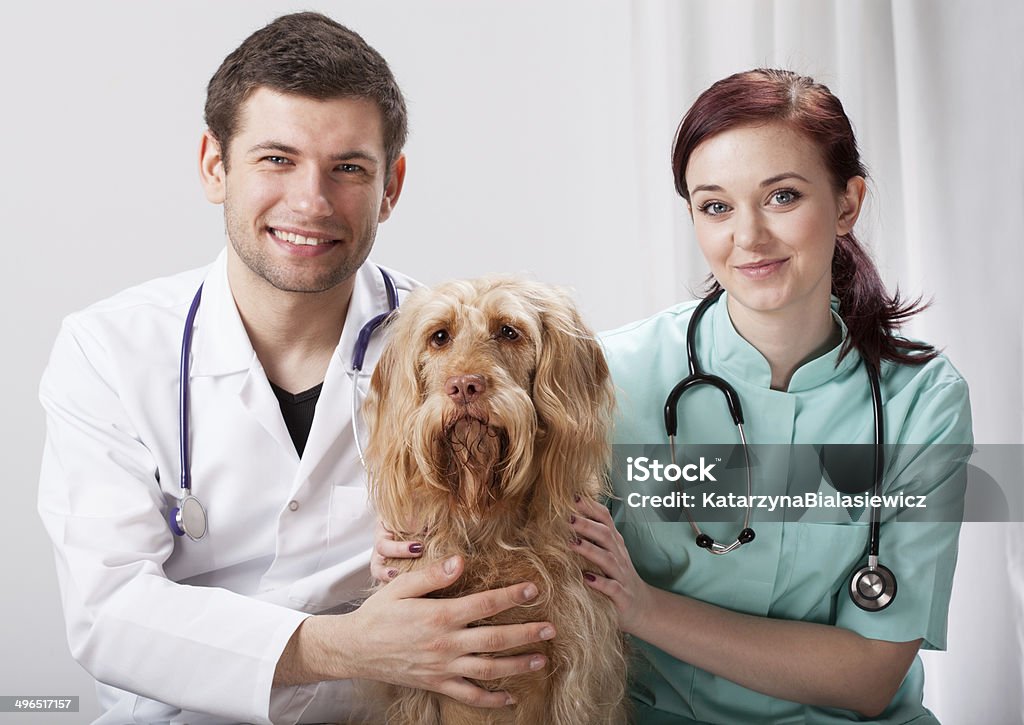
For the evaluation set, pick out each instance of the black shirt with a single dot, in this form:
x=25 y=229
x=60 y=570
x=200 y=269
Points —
x=297 y=410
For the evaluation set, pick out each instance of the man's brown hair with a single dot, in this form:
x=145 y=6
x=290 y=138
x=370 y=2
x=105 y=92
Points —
x=306 y=54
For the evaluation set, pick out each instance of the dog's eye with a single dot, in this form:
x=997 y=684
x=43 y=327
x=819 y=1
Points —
x=440 y=338
x=509 y=332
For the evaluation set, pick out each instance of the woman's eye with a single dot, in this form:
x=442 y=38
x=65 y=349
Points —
x=509 y=333
x=714 y=208
x=440 y=338
x=785 y=196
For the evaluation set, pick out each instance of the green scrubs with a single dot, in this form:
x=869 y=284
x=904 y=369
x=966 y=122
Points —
x=797 y=570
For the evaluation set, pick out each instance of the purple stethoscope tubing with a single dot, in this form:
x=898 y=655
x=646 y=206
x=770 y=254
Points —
x=188 y=518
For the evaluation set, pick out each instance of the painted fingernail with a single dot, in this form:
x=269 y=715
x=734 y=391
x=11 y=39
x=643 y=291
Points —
x=415 y=548
x=589 y=577
x=450 y=565
x=536 y=663
x=547 y=633
x=572 y=518
x=575 y=541
x=529 y=592
x=577 y=498
x=392 y=573
x=510 y=700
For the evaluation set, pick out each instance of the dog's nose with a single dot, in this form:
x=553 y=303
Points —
x=465 y=388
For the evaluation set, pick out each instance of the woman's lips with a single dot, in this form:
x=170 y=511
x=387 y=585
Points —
x=761 y=270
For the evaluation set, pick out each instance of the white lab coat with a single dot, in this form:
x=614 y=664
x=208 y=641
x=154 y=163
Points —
x=199 y=625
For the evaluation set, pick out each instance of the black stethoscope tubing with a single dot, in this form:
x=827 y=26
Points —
x=872 y=587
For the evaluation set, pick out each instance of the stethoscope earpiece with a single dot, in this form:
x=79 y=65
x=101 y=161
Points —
x=873 y=588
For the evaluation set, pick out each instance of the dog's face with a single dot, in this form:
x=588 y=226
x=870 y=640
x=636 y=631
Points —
x=478 y=382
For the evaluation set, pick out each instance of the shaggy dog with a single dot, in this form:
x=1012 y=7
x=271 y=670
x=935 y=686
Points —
x=489 y=413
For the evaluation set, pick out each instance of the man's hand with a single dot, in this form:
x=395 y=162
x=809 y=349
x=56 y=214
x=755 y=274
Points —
x=399 y=636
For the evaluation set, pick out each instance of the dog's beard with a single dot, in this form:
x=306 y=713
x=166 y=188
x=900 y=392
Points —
x=471 y=458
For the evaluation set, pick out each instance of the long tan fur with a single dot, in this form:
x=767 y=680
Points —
x=495 y=480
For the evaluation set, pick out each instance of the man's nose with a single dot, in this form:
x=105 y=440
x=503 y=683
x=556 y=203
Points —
x=308 y=194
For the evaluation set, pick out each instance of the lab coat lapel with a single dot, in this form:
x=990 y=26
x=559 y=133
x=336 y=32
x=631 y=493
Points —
x=221 y=347
x=331 y=437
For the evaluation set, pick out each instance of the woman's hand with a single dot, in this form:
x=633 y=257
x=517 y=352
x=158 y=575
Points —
x=385 y=547
x=601 y=544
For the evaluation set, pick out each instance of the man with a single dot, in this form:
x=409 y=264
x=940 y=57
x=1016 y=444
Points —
x=306 y=127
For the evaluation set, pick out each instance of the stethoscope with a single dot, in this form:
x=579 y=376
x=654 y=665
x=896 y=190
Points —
x=872 y=587
x=188 y=518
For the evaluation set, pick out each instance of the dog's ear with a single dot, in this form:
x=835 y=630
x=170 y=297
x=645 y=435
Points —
x=394 y=392
x=573 y=396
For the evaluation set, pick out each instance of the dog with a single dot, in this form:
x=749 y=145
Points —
x=489 y=413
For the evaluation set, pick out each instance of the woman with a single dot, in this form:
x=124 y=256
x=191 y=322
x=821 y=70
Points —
x=768 y=165
x=768 y=633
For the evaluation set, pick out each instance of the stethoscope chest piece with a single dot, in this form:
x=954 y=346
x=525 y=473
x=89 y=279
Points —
x=873 y=588
x=188 y=519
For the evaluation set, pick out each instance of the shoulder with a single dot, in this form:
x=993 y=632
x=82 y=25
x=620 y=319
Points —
x=153 y=298
x=131 y=324
x=932 y=399
x=646 y=336
x=403 y=282
x=936 y=374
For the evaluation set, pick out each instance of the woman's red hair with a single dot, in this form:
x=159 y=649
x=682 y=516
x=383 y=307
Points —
x=767 y=95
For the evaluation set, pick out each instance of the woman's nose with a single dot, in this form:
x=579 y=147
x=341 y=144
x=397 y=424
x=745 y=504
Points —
x=749 y=231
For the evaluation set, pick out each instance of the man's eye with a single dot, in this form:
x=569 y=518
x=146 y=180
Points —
x=440 y=338
x=508 y=332
x=350 y=168
x=277 y=160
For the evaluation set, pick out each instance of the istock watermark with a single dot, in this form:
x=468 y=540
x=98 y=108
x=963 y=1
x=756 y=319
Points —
x=829 y=483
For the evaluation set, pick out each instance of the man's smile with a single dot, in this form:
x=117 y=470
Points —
x=300 y=239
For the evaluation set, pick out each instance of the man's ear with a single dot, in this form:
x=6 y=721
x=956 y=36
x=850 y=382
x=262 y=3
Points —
x=393 y=188
x=851 y=200
x=211 y=168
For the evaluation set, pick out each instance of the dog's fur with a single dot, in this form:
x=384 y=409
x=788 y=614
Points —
x=495 y=479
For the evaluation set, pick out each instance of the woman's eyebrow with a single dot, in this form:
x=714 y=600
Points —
x=781 y=177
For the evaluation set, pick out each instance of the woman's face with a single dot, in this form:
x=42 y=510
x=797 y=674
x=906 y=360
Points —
x=767 y=215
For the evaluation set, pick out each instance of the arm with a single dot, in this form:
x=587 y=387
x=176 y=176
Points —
x=131 y=626
x=438 y=654
x=811 y=663
x=127 y=623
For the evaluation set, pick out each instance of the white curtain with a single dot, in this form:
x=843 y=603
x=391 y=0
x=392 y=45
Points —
x=935 y=90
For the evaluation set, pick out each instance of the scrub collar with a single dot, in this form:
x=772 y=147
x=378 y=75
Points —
x=738 y=359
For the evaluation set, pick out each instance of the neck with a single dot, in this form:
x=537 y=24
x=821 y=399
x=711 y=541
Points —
x=294 y=334
x=786 y=338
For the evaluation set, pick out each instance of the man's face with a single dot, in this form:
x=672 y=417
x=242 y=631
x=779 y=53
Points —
x=305 y=188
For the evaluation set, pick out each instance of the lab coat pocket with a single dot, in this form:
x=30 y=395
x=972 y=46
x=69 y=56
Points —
x=351 y=525
x=343 y=571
